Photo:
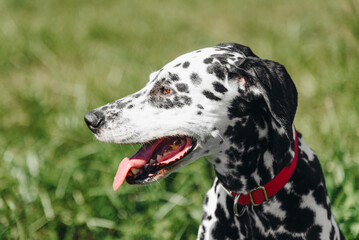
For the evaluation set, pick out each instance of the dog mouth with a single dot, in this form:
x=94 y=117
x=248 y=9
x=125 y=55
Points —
x=154 y=160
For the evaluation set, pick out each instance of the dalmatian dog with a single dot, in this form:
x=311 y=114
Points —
x=226 y=103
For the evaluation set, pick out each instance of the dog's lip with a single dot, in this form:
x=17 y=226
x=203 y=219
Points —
x=167 y=150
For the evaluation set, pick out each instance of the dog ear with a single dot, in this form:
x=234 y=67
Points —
x=276 y=88
x=235 y=47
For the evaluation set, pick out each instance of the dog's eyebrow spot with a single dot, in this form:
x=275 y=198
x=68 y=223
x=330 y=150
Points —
x=218 y=87
x=185 y=64
x=182 y=87
x=210 y=95
x=195 y=78
x=200 y=106
x=174 y=77
x=177 y=65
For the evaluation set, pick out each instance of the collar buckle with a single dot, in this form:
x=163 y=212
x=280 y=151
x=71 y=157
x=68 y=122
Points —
x=264 y=193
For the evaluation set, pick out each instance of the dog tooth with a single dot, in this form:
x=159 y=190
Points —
x=159 y=156
x=174 y=146
x=152 y=161
x=135 y=170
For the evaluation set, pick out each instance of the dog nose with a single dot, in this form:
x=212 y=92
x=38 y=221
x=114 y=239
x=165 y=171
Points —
x=94 y=120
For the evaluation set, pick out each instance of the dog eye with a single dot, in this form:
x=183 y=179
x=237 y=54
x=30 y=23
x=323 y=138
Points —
x=165 y=90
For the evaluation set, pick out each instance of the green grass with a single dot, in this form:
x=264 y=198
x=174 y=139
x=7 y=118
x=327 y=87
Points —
x=59 y=59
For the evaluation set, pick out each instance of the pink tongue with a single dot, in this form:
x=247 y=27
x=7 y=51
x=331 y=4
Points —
x=137 y=160
x=124 y=167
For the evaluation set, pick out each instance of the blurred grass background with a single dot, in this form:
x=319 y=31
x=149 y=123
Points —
x=59 y=59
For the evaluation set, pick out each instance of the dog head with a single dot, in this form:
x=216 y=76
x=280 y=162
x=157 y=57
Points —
x=193 y=106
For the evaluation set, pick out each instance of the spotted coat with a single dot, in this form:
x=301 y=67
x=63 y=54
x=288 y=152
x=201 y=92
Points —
x=240 y=110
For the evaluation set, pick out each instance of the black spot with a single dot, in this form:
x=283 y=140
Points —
x=232 y=153
x=185 y=65
x=208 y=60
x=186 y=100
x=182 y=87
x=306 y=178
x=180 y=101
x=161 y=102
x=121 y=105
x=167 y=104
x=195 y=78
x=314 y=232
x=218 y=87
x=217 y=160
x=217 y=69
x=296 y=214
x=210 y=95
x=199 y=113
x=320 y=196
x=223 y=230
x=201 y=237
x=200 y=106
x=216 y=185
x=230 y=181
x=136 y=95
x=174 y=77
x=230 y=165
x=177 y=65
x=206 y=200
x=130 y=106
x=240 y=107
x=222 y=58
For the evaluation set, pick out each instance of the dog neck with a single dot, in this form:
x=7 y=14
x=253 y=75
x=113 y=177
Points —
x=252 y=155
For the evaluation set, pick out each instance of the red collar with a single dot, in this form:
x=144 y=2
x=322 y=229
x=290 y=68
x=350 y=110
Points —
x=261 y=194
